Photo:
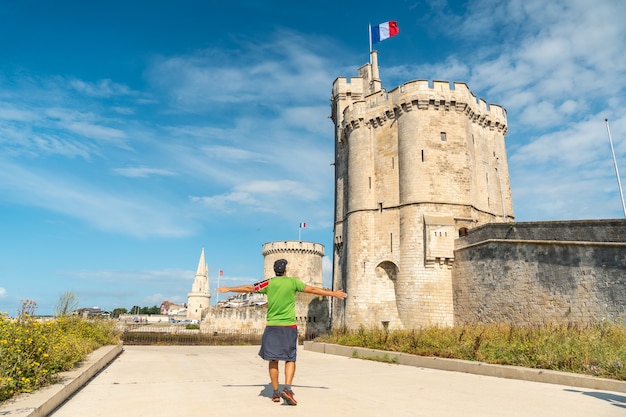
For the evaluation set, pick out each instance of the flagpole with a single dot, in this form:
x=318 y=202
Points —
x=217 y=293
x=369 y=32
x=299 y=229
x=619 y=183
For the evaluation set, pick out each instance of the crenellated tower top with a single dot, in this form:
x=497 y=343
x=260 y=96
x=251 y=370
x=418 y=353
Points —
x=362 y=100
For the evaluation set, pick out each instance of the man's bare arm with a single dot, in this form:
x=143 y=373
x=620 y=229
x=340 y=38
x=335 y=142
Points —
x=324 y=292
x=240 y=288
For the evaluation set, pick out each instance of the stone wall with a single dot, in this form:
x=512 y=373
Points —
x=217 y=318
x=253 y=318
x=542 y=272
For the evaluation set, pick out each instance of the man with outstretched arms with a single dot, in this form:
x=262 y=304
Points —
x=280 y=338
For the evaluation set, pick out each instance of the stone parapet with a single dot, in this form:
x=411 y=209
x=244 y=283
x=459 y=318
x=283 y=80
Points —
x=606 y=230
x=541 y=273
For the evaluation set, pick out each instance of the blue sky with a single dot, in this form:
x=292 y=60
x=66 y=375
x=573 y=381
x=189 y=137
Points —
x=135 y=133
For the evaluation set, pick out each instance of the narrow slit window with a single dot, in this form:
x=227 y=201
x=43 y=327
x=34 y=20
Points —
x=443 y=137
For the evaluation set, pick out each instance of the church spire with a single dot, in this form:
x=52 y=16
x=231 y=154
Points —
x=203 y=269
x=200 y=296
x=201 y=283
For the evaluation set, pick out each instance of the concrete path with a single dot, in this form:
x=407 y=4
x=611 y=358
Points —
x=191 y=381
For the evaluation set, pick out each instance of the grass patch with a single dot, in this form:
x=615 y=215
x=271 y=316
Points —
x=598 y=349
x=32 y=351
x=386 y=358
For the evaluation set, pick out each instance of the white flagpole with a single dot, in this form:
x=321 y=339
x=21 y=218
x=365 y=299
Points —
x=217 y=293
x=369 y=33
x=619 y=183
x=299 y=229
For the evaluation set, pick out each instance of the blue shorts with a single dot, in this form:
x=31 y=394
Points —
x=279 y=343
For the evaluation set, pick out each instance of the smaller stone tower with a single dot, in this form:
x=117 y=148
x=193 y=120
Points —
x=200 y=296
x=304 y=262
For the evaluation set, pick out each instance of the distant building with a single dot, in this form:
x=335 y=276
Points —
x=91 y=312
x=200 y=296
x=170 y=309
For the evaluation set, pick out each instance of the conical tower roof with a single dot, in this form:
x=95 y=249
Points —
x=203 y=268
x=201 y=282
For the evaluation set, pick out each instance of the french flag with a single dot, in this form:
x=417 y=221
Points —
x=384 y=31
x=302 y=225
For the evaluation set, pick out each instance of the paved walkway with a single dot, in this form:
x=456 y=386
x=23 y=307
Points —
x=191 y=381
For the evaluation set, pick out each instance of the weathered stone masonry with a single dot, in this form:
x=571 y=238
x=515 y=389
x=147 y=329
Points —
x=413 y=166
x=541 y=272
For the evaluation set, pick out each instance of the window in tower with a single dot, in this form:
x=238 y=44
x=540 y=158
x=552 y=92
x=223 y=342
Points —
x=422 y=155
x=443 y=137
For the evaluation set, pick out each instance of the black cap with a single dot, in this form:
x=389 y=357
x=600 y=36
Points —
x=279 y=266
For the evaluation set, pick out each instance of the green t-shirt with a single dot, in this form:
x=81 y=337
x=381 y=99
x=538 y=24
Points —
x=281 y=299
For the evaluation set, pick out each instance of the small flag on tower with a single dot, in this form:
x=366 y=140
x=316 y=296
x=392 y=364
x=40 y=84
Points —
x=384 y=31
x=302 y=225
x=221 y=272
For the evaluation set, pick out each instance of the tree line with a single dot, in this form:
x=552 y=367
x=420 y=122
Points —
x=116 y=312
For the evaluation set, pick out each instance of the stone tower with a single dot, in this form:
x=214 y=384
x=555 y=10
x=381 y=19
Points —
x=200 y=296
x=304 y=262
x=415 y=168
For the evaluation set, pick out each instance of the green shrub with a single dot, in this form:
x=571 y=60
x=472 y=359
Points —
x=32 y=352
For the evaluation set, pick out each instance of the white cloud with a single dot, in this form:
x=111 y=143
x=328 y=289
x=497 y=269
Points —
x=155 y=300
x=142 y=277
x=231 y=154
x=249 y=75
x=231 y=202
x=133 y=214
x=95 y=131
x=102 y=88
x=142 y=172
x=12 y=113
x=261 y=195
x=580 y=144
x=3 y=292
